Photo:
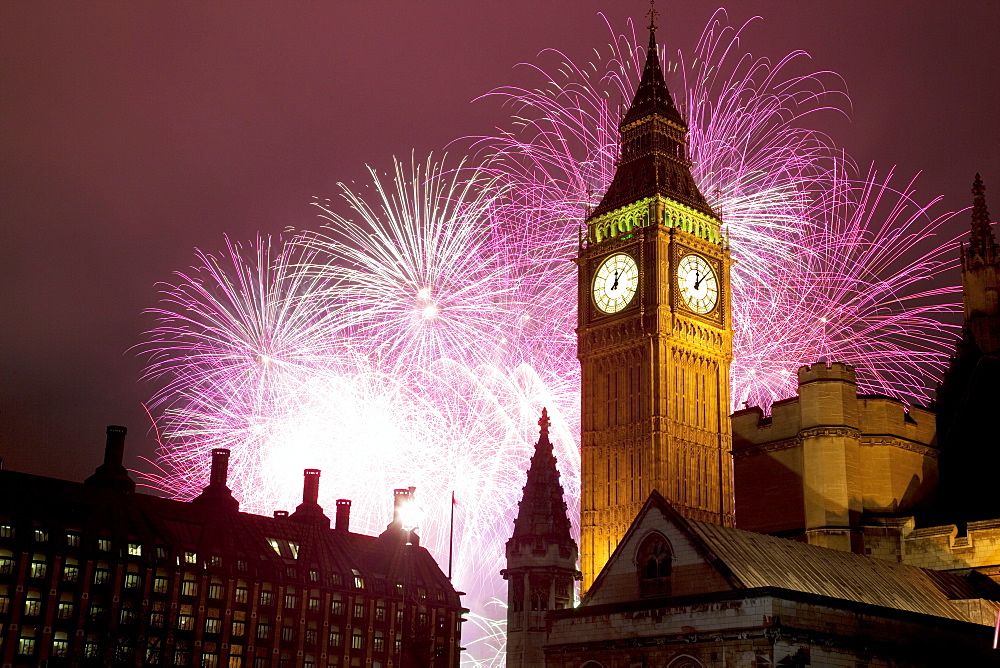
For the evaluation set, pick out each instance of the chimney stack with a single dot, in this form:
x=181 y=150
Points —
x=310 y=486
x=400 y=498
x=220 y=467
x=111 y=473
x=280 y=514
x=218 y=494
x=309 y=510
x=343 y=517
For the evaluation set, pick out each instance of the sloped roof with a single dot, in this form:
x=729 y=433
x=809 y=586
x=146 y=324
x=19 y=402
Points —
x=759 y=560
x=750 y=560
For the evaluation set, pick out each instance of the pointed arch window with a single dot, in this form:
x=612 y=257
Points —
x=654 y=560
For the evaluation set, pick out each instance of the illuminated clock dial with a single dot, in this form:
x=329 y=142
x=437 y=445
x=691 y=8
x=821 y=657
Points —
x=615 y=283
x=698 y=285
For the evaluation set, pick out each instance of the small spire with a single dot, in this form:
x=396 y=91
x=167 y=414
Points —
x=652 y=14
x=544 y=423
x=981 y=241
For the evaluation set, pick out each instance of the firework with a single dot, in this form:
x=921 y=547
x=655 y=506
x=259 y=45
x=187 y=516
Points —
x=802 y=224
x=415 y=338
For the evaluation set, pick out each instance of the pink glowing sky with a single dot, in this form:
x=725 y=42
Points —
x=131 y=133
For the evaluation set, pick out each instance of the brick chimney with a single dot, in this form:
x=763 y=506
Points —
x=309 y=510
x=343 y=517
x=218 y=494
x=112 y=474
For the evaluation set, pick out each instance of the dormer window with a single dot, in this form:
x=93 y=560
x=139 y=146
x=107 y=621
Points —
x=653 y=560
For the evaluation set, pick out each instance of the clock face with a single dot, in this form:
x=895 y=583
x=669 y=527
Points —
x=615 y=283
x=697 y=283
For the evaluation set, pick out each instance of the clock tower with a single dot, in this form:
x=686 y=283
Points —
x=654 y=334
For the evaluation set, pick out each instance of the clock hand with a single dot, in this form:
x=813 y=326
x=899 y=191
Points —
x=614 y=286
x=697 y=280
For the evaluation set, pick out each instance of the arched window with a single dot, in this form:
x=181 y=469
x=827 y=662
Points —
x=653 y=560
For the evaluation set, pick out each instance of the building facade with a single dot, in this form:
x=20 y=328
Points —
x=95 y=574
x=654 y=334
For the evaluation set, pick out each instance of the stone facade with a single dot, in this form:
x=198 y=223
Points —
x=826 y=460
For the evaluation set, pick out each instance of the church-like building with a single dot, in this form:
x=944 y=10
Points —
x=843 y=529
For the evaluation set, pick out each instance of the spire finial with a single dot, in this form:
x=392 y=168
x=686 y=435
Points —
x=543 y=422
x=652 y=14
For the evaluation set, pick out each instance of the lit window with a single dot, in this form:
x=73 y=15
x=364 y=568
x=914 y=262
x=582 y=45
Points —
x=181 y=657
x=241 y=564
x=209 y=661
x=6 y=531
x=33 y=603
x=314 y=576
x=235 y=661
x=275 y=545
x=263 y=630
x=378 y=643
x=127 y=616
x=288 y=633
x=241 y=594
x=102 y=575
x=65 y=610
x=72 y=540
x=38 y=566
x=294 y=547
x=185 y=622
x=60 y=645
x=133 y=581
x=311 y=637
x=4 y=600
x=336 y=580
x=96 y=612
x=239 y=628
x=290 y=572
x=359 y=608
x=335 y=638
x=161 y=552
x=91 y=650
x=41 y=536
x=380 y=610
x=104 y=544
x=189 y=587
x=191 y=557
x=336 y=604
x=26 y=644
x=357 y=639
x=134 y=550
x=71 y=572
x=291 y=600
x=156 y=620
x=359 y=581
x=215 y=560
x=313 y=604
x=6 y=562
x=215 y=590
x=152 y=656
x=160 y=585
x=267 y=598
x=213 y=625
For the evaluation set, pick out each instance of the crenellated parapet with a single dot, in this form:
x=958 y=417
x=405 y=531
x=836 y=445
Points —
x=828 y=458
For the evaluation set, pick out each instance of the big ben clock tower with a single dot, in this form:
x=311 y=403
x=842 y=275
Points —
x=654 y=334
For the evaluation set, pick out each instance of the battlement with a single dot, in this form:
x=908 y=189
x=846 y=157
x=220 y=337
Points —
x=827 y=371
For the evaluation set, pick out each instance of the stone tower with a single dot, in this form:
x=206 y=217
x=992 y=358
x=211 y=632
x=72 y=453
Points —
x=541 y=557
x=654 y=334
x=969 y=396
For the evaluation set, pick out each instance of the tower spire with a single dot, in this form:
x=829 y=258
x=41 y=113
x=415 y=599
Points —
x=982 y=244
x=541 y=557
x=652 y=14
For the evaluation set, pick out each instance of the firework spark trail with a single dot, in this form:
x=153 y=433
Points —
x=415 y=340
x=799 y=218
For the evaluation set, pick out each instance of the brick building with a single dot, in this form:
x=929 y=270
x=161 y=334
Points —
x=94 y=574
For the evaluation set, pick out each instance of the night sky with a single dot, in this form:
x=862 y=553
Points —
x=131 y=133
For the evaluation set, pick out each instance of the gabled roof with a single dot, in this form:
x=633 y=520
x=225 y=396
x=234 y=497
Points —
x=749 y=560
